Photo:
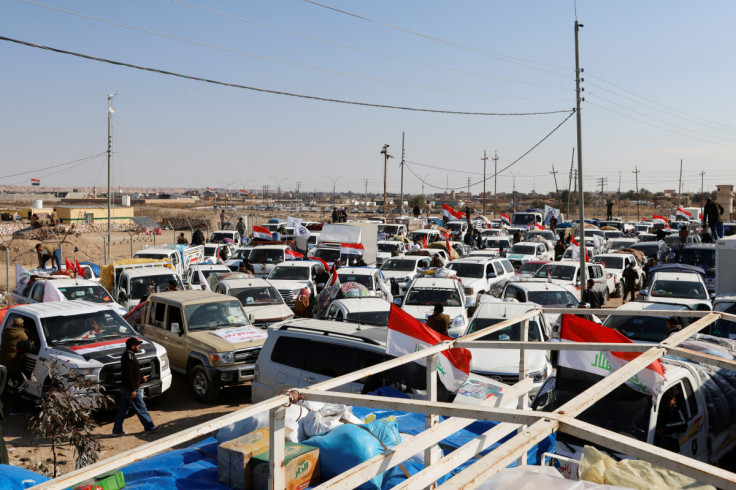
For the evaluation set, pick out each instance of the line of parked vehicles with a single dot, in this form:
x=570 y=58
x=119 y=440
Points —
x=222 y=327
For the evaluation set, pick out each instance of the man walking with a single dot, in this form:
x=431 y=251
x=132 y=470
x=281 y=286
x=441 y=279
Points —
x=712 y=212
x=630 y=277
x=131 y=395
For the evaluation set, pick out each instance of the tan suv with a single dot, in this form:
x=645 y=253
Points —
x=207 y=337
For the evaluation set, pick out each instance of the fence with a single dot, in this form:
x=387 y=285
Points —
x=530 y=426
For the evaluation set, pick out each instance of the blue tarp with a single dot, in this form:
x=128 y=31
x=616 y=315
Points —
x=196 y=466
x=14 y=477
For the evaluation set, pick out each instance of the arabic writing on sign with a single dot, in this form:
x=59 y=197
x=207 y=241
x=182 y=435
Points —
x=240 y=334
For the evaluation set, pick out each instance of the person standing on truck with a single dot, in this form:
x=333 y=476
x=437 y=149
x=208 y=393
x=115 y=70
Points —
x=712 y=212
x=131 y=394
x=630 y=277
x=224 y=223
x=44 y=254
x=609 y=209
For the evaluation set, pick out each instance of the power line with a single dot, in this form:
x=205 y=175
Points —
x=364 y=50
x=491 y=54
x=276 y=92
x=83 y=160
x=276 y=60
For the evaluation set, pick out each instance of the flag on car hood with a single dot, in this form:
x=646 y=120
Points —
x=406 y=334
x=262 y=233
x=351 y=249
x=576 y=329
x=448 y=213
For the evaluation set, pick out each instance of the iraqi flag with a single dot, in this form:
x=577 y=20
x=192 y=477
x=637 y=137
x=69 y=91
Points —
x=262 y=233
x=537 y=226
x=683 y=213
x=78 y=268
x=210 y=189
x=424 y=241
x=449 y=214
x=602 y=363
x=449 y=248
x=576 y=249
x=324 y=264
x=243 y=191
x=505 y=218
x=406 y=335
x=293 y=255
x=352 y=249
x=35 y=182
x=655 y=216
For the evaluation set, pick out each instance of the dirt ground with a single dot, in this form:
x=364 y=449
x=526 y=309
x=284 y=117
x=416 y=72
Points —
x=174 y=413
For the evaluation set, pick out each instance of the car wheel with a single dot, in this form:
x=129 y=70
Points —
x=202 y=388
x=619 y=291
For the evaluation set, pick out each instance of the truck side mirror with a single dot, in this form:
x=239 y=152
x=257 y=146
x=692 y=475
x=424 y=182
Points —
x=397 y=301
x=251 y=318
x=175 y=328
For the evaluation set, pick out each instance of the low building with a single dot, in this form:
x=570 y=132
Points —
x=70 y=215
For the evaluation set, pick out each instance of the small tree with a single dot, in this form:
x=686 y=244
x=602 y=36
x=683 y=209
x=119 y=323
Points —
x=65 y=413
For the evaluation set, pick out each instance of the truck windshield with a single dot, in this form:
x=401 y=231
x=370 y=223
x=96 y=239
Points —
x=642 y=328
x=290 y=273
x=138 y=285
x=552 y=298
x=364 y=279
x=206 y=273
x=209 y=316
x=399 y=265
x=219 y=237
x=522 y=219
x=95 y=294
x=562 y=272
x=455 y=226
x=388 y=229
x=623 y=410
x=86 y=328
x=619 y=244
x=523 y=249
x=496 y=243
x=433 y=296
x=511 y=333
x=266 y=256
x=379 y=318
x=467 y=270
x=387 y=247
x=703 y=258
x=547 y=235
x=241 y=253
x=610 y=262
x=257 y=296
x=679 y=289
x=152 y=255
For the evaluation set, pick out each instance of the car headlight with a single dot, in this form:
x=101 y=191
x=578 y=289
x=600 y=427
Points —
x=222 y=358
x=458 y=321
x=164 y=362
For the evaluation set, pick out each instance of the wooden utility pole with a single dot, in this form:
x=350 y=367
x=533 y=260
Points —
x=638 y=213
x=554 y=175
x=468 y=189
x=495 y=180
x=110 y=111
x=386 y=156
x=702 y=173
x=485 y=159
x=679 y=186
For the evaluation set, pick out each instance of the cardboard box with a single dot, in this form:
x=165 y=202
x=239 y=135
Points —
x=302 y=467
x=234 y=466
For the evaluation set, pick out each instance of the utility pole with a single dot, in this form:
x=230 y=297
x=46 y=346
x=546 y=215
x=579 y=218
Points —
x=638 y=214
x=401 y=203
x=580 y=159
x=110 y=112
x=468 y=189
x=365 y=183
x=298 y=185
x=485 y=158
x=602 y=181
x=386 y=156
x=702 y=173
x=513 y=194
x=554 y=175
x=679 y=186
x=495 y=180
x=619 y=192
x=569 y=182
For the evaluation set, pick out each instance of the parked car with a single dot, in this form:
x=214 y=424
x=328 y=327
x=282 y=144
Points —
x=653 y=250
x=370 y=277
x=523 y=252
x=403 y=270
x=503 y=364
x=426 y=292
x=568 y=273
x=84 y=337
x=529 y=268
x=193 y=276
x=496 y=244
x=219 y=236
x=294 y=275
x=619 y=243
x=686 y=288
x=647 y=328
x=386 y=249
x=265 y=257
x=364 y=311
x=481 y=276
x=702 y=255
x=261 y=301
x=57 y=288
x=208 y=338
x=616 y=263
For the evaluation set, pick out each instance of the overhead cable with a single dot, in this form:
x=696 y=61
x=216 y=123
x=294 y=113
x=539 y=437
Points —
x=285 y=62
x=278 y=92
x=53 y=166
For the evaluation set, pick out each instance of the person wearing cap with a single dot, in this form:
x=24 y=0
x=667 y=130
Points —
x=131 y=394
x=10 y=357
x=438 y=321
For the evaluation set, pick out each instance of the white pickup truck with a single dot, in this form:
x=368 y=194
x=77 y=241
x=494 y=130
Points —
x=131 y=281
x=704 y=427
x=63 y=288
x=85 y=337
x=179 y=256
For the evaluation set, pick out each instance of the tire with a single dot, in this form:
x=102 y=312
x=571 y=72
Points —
x=202 y=388
x=619 y=291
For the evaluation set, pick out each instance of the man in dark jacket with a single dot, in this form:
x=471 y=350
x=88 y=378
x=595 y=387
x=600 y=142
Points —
x=630 y=278
x=438 y=321
x=198 y=237
x=592 y=296
x=10 y=355
x=131 y=394
x=712 y=212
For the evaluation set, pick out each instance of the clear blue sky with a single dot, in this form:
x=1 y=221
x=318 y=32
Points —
x=659 y=82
